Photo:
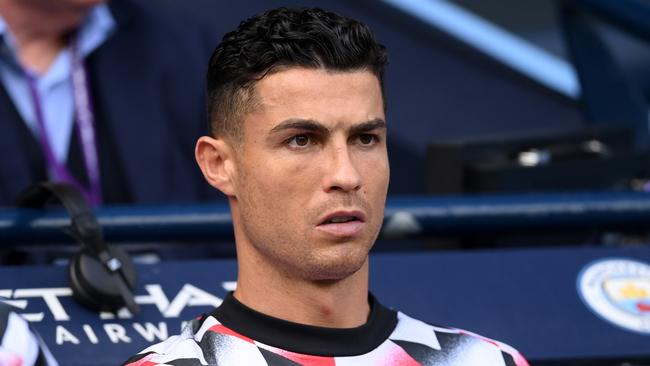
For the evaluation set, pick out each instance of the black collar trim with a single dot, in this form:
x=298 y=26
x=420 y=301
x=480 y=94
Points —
x=307 y=339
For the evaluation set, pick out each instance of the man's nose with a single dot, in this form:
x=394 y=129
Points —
x=342 y=173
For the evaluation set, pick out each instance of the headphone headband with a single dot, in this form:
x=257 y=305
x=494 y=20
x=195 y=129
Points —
x=83 y=224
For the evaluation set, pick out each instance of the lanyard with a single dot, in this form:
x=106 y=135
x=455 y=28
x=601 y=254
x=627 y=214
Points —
x=84 y=125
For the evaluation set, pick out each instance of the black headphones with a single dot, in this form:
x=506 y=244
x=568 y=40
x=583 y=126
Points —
x=102 y=277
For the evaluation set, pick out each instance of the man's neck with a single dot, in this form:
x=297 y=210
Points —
x=40 y=31
x=333 y=304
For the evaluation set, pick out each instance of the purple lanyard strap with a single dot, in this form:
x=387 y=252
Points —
x=84 y=124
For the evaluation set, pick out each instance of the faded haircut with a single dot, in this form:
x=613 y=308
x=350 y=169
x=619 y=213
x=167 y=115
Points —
x=275 y=40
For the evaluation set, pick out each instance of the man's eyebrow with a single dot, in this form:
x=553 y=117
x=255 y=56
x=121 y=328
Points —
x=315 y=126
x=368 y=126
x=300 y=124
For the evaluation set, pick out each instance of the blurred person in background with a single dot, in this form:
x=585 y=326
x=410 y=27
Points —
x=107 y=96
x=20 y=345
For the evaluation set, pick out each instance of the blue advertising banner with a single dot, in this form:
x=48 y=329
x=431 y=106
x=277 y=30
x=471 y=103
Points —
x=531 y=299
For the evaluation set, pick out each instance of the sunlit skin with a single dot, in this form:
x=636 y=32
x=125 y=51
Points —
x=316 y=147
x=41 y=27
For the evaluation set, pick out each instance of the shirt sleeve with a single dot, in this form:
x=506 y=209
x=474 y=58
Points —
x=511 y=356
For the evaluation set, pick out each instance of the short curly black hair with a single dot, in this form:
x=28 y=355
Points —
x=276 y=39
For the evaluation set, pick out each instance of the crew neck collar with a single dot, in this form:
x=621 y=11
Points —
x=308 y=339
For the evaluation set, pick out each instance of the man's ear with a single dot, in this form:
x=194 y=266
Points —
x=217 y=162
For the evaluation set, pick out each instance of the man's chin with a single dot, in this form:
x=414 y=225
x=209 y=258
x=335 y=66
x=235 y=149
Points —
x=336 y=270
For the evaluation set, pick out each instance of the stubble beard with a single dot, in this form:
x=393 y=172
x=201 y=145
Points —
x=298 y=255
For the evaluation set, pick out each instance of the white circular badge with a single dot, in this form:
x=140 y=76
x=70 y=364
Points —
x=618 y=290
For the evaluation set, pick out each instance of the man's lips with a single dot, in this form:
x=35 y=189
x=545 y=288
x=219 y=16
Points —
x=342 y=215
x=342 y=223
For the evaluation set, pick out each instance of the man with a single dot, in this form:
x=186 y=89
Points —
x=106 y=96
x=298 y=146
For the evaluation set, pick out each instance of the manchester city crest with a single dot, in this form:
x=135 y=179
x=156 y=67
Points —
x=618 y=290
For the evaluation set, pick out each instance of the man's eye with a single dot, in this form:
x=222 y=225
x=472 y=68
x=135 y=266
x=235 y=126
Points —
x=367 y=139
x=299 y=141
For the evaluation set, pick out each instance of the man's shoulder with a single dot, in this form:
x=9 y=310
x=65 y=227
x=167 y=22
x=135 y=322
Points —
x=203 y=341
x=447 y=345
x=185 y=345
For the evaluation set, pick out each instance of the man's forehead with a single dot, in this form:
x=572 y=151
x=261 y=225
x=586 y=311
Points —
x=277 y=86
x=318 y=95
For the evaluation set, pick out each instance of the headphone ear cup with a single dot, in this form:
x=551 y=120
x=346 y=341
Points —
x=95 y=285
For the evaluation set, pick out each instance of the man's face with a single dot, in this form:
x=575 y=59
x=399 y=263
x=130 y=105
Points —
x=312 y=172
